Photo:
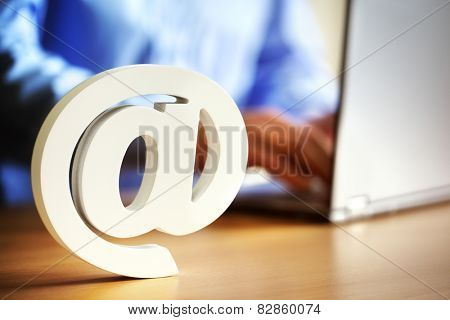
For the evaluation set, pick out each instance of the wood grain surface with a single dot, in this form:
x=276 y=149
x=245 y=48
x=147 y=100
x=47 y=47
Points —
x=242 y=256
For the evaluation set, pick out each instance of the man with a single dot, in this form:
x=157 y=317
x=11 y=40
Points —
x=265 y=53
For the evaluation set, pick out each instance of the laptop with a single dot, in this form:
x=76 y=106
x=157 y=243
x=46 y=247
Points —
x=392 y=149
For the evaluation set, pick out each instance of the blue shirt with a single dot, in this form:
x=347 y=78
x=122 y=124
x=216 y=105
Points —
x=263 y=52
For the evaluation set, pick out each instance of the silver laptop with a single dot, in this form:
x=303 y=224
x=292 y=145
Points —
x=393 y=130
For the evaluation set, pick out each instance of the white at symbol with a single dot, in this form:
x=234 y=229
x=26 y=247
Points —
x=77 y=208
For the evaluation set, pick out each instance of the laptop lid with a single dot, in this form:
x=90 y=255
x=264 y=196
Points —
x=393 y=148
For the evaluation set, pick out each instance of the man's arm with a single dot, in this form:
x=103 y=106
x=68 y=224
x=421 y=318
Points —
x=290 y=80
x=292 y=68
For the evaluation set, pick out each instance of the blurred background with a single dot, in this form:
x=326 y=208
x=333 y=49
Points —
x=268 y=55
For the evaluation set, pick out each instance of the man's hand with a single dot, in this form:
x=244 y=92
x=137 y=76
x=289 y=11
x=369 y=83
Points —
x=293 y=153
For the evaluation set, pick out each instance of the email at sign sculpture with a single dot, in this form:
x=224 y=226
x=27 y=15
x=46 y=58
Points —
x=80 y=148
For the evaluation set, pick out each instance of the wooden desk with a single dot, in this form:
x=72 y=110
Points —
x=242 y=256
